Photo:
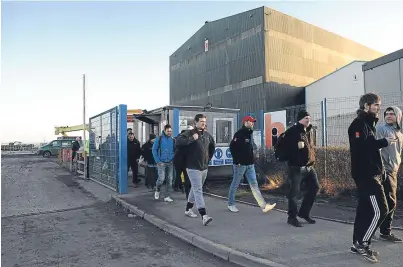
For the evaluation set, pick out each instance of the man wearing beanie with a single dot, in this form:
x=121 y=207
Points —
x=241 y=148
x=391 y=157
x=301 y=159
x=147 y=153
x=367 y=170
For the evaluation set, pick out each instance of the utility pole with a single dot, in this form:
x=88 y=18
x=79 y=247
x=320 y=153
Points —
x=84 y=135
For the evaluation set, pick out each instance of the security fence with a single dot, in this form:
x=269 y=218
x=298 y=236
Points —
x=108 y=148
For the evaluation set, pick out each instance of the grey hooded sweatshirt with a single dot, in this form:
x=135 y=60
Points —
x=391 y=155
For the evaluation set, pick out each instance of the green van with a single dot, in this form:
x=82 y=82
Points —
x=53 y=147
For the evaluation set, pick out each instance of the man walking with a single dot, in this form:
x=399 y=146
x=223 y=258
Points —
x=241 y=148
x=180 y=167
x=163 y=153
x=301 y=159
x=200 y=147
x=367 y=170
x=133 y=155
x=391 y=157
x=146 y=152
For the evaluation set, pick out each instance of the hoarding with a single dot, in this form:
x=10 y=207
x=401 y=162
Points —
x=274 y=125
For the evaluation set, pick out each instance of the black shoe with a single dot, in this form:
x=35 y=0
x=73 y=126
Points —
x=294 y=222
x=308 y=219
x=391 y=238
x=365 y=251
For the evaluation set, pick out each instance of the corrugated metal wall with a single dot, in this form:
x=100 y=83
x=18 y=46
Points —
x=298 y=53
x=235 y=56
x=257 y=60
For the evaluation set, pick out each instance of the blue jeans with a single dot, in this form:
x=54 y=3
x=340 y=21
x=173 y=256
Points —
x=165 y=171
x=239 y=172
x=197 y=179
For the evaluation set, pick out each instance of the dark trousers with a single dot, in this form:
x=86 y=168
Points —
x=372 y=209
x=177 y=180
x=178 y=171
x=296 y=177
x=389 y=183
x=151 y=176
x=132 y=163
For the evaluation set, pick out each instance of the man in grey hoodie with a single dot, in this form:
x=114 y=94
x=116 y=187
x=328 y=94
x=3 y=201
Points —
x=391 y=157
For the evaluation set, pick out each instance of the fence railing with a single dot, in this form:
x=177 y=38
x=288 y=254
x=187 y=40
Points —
x=75 y=166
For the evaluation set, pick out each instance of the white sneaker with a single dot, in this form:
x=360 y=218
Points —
x=190 y=214
x=206 y=220
x=269 y=207
x=233 y=208
x=157 y=195
x=168 y=199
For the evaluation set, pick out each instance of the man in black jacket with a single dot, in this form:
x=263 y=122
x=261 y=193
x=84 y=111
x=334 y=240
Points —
x=180 y=168
x=301 y=159
x=241 y=148
x=75 y=148
x=147 y=153
x=200 y=147
x=367 y=170
x=133 y=154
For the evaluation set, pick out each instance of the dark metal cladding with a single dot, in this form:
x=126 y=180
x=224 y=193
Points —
x=256 y=60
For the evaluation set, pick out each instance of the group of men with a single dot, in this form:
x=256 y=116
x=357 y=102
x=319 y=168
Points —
x=375 y=160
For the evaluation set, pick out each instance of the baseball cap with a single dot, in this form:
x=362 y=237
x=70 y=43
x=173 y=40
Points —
x=248 y=118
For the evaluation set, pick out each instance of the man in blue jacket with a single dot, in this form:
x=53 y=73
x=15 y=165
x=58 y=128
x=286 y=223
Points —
x=163 y=153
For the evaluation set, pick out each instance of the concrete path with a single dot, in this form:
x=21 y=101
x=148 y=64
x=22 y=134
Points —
x=265 y=236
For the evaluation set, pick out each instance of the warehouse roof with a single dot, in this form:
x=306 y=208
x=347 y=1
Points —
x=383 y=60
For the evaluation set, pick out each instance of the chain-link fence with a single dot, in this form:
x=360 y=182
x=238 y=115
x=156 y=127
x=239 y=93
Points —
x=330 y=120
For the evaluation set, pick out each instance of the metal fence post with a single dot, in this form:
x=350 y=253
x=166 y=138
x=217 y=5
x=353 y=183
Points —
x=175 y=122
x=325 y=112
x=122 y=167
x=322 y=107
x=261 y=122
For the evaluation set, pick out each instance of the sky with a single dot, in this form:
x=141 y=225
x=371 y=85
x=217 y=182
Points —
x=124 y=48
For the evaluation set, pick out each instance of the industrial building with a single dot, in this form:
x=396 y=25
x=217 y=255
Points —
x=260 y=59
x=342 y=84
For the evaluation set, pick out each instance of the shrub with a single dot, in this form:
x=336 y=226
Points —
x=332 y=165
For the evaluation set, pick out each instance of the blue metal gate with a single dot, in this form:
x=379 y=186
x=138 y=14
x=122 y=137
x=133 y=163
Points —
x=108 y=148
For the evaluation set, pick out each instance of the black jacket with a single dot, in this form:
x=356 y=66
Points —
x=365 y=152
x=133 y=149
x=147 y=153
x=198 y=153
x=241 y=147
x=180 y=156
x=300 y=157
x=76 y=146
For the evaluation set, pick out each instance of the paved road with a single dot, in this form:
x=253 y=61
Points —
x=48 y=219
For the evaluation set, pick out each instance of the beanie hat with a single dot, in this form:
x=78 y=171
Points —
x=152 y=136
x=302 y=114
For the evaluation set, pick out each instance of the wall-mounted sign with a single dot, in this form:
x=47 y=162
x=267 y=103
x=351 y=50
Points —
x=206 y=45
x=222 y=156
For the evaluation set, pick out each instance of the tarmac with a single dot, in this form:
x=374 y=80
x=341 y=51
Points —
x=253 y=238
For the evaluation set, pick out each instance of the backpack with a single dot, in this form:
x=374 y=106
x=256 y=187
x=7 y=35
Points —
x=280 y=148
